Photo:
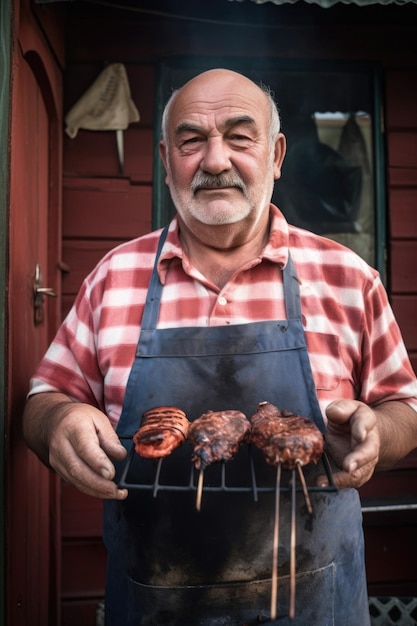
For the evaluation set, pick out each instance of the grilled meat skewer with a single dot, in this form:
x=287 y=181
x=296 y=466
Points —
x=291 y=441
x=285 y=437
x=163 y=429
x=216 y=436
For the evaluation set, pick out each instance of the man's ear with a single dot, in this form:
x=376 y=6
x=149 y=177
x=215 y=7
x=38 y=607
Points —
x=163 y=155
x=279 y=154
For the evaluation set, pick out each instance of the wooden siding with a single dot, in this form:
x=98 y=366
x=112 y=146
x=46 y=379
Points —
x=103 y=207
x=401 y=129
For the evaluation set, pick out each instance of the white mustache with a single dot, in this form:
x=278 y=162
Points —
x=207 y=181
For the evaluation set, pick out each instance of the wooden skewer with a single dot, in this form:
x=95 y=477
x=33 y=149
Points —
x=292 y=550
x=305 y=490
x=156 y=482
x=274 y=589
x=200 y=488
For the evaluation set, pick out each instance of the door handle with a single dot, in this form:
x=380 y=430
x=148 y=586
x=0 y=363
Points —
x=38 y=293
x=46 y=291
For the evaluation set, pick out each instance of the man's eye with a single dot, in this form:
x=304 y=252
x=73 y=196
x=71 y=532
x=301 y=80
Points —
x=190 y=140
x=241 y=141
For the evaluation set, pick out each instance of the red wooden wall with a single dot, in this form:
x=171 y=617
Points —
x=401 y=123
x=102 y=208
x=391 y=538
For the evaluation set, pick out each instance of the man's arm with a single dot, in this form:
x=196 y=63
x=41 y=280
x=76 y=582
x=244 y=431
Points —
x=362 y=439
x=76 y=440
x=397 y=423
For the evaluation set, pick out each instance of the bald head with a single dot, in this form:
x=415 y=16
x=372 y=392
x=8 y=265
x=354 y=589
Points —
x=213 y=83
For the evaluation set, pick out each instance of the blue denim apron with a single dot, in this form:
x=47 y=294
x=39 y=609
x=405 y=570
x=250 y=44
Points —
x=169 y=564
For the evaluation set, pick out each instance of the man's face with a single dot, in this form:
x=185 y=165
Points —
x=219 y=160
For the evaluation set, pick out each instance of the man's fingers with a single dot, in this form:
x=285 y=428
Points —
x=353 y=441
x=81 y=451
x=110 y=443
x=360 y=416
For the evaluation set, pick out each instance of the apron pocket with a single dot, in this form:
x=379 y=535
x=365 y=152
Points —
x=235 y=604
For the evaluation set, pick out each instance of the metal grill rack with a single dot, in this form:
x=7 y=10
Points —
x=246 y=472
x=217 y=479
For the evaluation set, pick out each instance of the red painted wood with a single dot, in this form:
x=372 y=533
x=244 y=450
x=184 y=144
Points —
x=401 y=87
x=52 y=20
x=81 y=257
x=79 y=612
x=94 y=153
x=81 y=514
x=83 y=568
x=391 y=551
x=402 y=149
x=405 y=310
x=105 y=208
x=397 y=177
x=403 y=211
x=393 y=482
x=403 y=266
x=413 y=359
x=66 y=303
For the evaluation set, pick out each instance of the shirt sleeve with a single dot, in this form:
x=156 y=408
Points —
x=70 y=364
x=385 y=372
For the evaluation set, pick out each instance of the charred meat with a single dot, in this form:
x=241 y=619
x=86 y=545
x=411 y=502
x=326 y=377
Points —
x=284 y=437
x=163 y=429
x=216 y=436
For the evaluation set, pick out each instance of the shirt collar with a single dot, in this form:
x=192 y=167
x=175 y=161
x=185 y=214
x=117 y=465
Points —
x=275 y=250
x=171 y=249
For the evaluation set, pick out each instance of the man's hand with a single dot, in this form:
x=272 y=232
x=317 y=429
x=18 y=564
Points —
x=353 y=441
x=77 y=441
x=361 y=439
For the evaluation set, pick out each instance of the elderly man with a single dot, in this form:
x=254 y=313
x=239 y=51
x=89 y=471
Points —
x=227 y=307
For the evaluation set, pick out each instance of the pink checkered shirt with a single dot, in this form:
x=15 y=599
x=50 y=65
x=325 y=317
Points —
x=355 y=346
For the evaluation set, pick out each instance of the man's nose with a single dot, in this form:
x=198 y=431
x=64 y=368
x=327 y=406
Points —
x=216 y=158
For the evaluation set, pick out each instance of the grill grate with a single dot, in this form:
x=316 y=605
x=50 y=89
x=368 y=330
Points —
x=256 y=478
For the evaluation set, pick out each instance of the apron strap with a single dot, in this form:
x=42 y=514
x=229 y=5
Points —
x=153 y=298
x=291 y=283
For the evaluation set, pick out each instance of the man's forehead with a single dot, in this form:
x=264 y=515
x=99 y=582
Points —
x=226 y=111
x=197 y=123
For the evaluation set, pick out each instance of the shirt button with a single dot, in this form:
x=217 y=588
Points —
x=222 y=300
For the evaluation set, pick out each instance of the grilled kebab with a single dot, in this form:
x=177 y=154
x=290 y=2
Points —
x=284 y=437
x=163 y=429
x=216 y=436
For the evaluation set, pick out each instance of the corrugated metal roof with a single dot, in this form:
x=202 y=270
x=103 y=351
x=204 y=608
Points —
x=330 y=3
x=322 y=3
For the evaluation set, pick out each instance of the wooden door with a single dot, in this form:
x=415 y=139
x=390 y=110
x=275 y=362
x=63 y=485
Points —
x=32 y=548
